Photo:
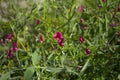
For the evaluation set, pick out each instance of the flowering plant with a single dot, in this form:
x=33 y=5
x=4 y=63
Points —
x=60 y=40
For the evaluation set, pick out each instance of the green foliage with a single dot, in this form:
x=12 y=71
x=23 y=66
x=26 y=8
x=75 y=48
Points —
x=35 y=58
x=29 y=73
x=5 y=76
x=39 y=56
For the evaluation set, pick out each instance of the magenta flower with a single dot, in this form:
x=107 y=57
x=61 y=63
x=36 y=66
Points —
x=83 y=26
x=80 y=9
x=14 y=47
x=9 y=53
x=81 y=39
x=59 y=37
x=38 y=22
x=87 y=51
x=104 y=1
x=9 y=37
x=118 y=33
x=99 y=7
x=118 y=8
x=60 y=42
x=114 y=24
x=41 y=38
x=82 y=20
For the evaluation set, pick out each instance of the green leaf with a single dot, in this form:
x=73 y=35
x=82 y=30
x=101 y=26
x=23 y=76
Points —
x=29 y=73
x=35 y=58
x=5 y=76
x=63 y=58
x=119 y=76
x=90 y=3
x=50 y=56
x=85 y=66
x=54 y=70
x=70 y=70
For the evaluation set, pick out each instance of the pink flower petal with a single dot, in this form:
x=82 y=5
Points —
x=80 y=9
x=38 y=22
x=118 y=8
x=87 y=51
x=58 y=35
x=14 y=47
x=104 y=1
x=41 y=38
x=81 y=39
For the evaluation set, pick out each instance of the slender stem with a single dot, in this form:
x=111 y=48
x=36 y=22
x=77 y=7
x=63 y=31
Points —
x=44 y=9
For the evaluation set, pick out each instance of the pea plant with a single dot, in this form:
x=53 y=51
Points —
x=59 y=39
